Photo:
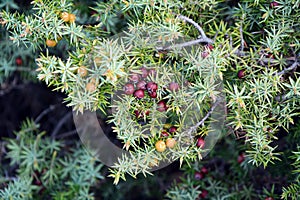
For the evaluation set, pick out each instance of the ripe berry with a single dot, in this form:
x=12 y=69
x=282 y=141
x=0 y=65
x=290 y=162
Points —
x=135 y=78
x=241 y=158
x=144 y=72
x=19 y=61
x=198 y=175
x=137 y=114
x=162 y=106
x=147 y=112
x=204 y=54
x=274 y=4
x=241 y=73
x=152 y=94
x=173 y=86
x=204 y=170
x=152 y=72
x=203 y=194
x=151 y=86
x=160 y=146
x=65 y=16
x=141 y=85
x=200 y=142
x=72 y=18
x=170 y=142
x=139 y=94
x=51 y=43
x=164 y=134
x=173 y=129
x=129 y=88
x=82 y=71
x=269 y=198
x=90 y=87
x=210 y=47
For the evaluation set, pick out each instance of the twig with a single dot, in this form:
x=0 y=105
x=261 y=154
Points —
x=45 y=112
x=194 y=128
x=195 y=24
x=60 y=124
x=293 y=66
x=185 y=44
x=67 y=134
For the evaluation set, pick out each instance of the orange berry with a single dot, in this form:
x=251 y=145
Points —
x=65 y=16
x=82 y=71
x=51 y=43
x=90 y=87
x=72 y=18
x=170 y=142
x=160 y=146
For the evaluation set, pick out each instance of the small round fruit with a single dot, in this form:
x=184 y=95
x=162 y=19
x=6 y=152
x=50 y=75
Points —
x=139 y=94
x=151 y=86
x=141 y=85
x=198 y=175
x=51 y=43
x=162 y=106
x=72 y=18
x=90 y=87
x=144 y=72
x=134 y=78
x=204 y=54
x=160 y=146
x=129 y=88
x=200 y=142
x=164 y=134
x=173 y=129
x=269 y=198
x=241 y=74
x=167 y=126
x=174 y=86
x=65 y=16
x=210 y=47
x=82 y=71
x=274 y=4
x=137 y=114
x=204 y=170
x=170 y=142
x=152 y=94
x=19 y=61
x=203 y=194
x=241 y=158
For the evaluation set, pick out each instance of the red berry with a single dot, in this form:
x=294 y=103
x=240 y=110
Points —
x=204 y=54
x=135 y=78
x=164 y=134
x=162 y=106
x=141 y=85
x=147 y=112
x=204 y=170
x=241 y=73
x=203 y=194
x=151 y=86
x=152 y=94
x=152 y=72
x=129 y=88
x=200 y=142
x=274 y=4
x=198 y=175
x=137 y=114
x=173 y=129
x=173 y=86
x=210 y=47
x=269 y=198
x=19 y=61
x=241 y=158
x=139 y=94
x=144 y=72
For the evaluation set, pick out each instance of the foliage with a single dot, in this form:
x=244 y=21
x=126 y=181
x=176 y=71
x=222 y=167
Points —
x=43 y=169
x=251 y=46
